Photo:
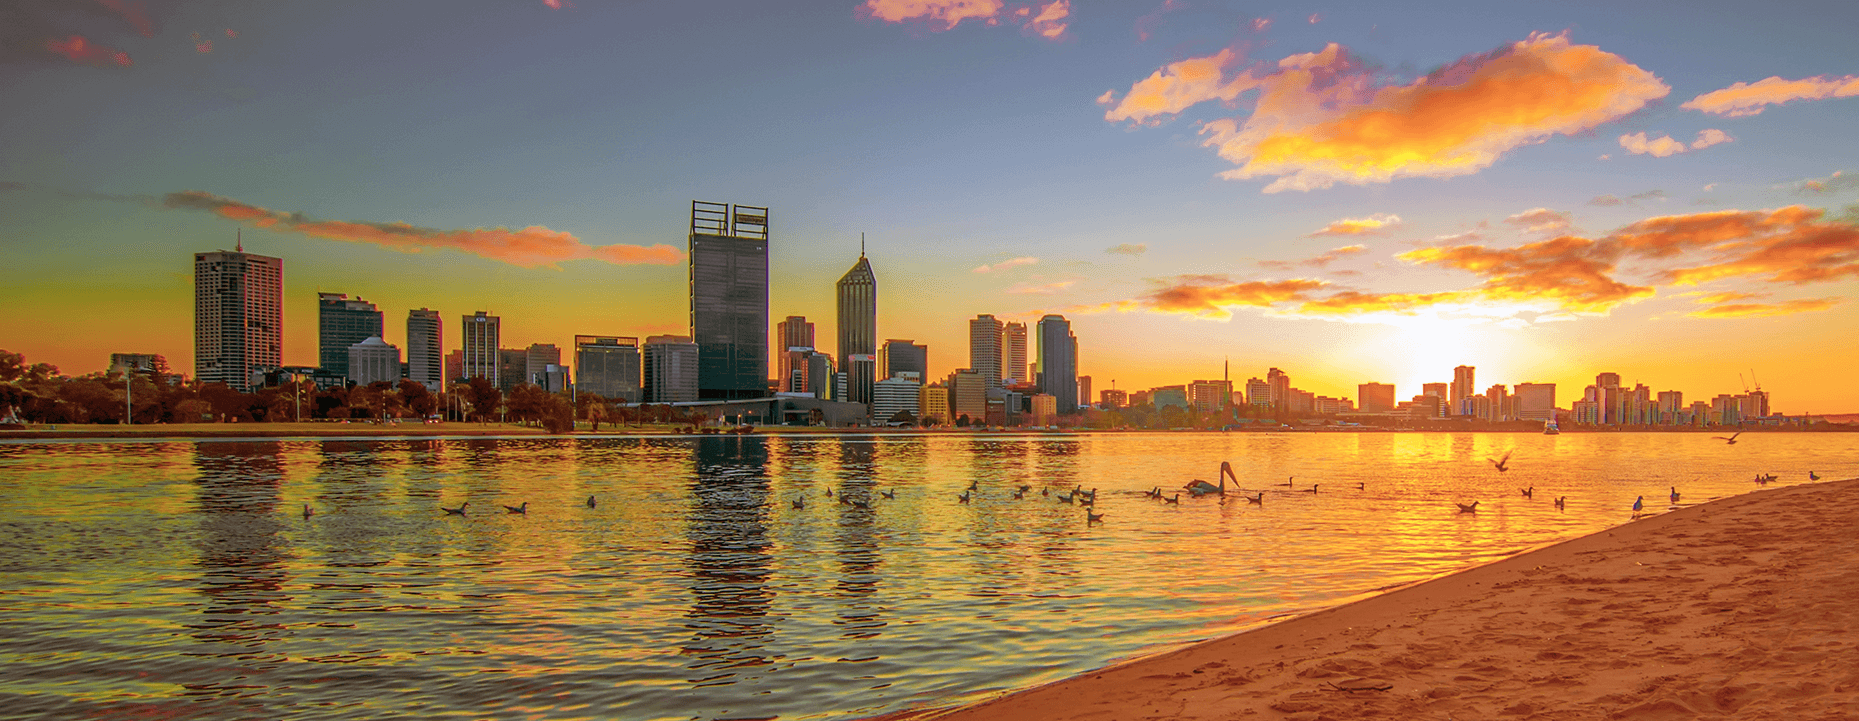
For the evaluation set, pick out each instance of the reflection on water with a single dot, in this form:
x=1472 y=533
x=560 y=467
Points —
x=181 y=580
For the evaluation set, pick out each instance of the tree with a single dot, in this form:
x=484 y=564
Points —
x=527 y=403
x=415 y=398
x=597 y=412
x=484 y=397
x=962 y=420
x=12 y=366
x=903 y=417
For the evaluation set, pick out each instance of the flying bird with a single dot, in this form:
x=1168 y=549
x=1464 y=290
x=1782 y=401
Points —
x=1731 y=440
x=1502 y=462
x=459 y=511
x=523 y=509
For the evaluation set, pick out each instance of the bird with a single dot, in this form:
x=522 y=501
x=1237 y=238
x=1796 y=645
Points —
x=1674 y=494
x=1017 y=495
x=1311 y=489
x=1258 y=500
x=307 y=512
x=1198 y=487
x=1090 y=518
x=459 y=511
x=1093 y=493
x=1502 y=462
x=1045 y=491
x=523 y=509
x=844 y=501
x=1176 y=499
x=1024 y=488
x=861 y=504
x=829 y=493
x=1812 y=477
x=1528 y=492
x=1560 y=500
x=1361 y=486
x=1473 y=508
x=590 y=501
x=1729 y=441
x=1067 y=498
x=799 y=504
x=972 y=485
x=964 y=497
x=1287 y=481
x=1092 y=501
x=889 y=495
x=1639 y=503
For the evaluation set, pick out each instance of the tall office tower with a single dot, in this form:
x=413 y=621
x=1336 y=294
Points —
x=1375 y=397
x=238 y=315
x=1671 y=407
x=1434 y=389
x=512 y=368
x=729 y=299
x=372 y=361
x=537 y=359
x=1013 y=354
x=1462 y=388
x=968 y=395
x=607 y=366
x=479 y=334
x=1501 y=404
x=1058 y=362
x=1113 y=398
x=1536 y=401
x=903 y=356
x=340 y=323
x=1209 y=396
x=425 y=344
x=454 y=365
x=984 y=349
x=857 y=291
x=1259 y=393
x=1612 y=400
x=820 y=375
x=892 y=395
x=672 y=369
x=793 y=342
x=1281 y=389
x=1084 y=382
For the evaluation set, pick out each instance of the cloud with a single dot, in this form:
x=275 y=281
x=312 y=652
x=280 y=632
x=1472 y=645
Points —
x=1353 y=302
x=1213 y=296
x=1374 y=224
x=1759 y=310
x=941 y=15
x=1537 y=220
x=1047 y=289
x=1326 y=117
x=79 y=50
x=1319 y=261
x=1839 y=180
x=1786 y=245
x=1663 y=146
x=1128 y=249
x=1005 y=264
x=1050 y=22
x=1315 y=18
x=1572 y=273
x=529 y=247
x=1727 y=296
x=1631 y=199
x=1145 y=25
x=1179 y=86
x=1744 y=99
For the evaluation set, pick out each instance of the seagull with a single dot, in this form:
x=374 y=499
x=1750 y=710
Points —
x=523 y=509
x=590 y=501
x=1092 y=501
x=1812 y=477
x=1529 y=492
x=799 y=504
x=1639 y=503
x=891 y=495
x=1501 y=462
x=307 y=512
x=1560 y=500
x=1024 y=489
x=1176 y=499
x=1090 y=518
x=964 y=497
x=1067 y=498
x=1674 y=494
x=1361 y=486
x=459 y=511
x=1731 y=440
x=829 y=493
x=1465 y=508
x=1258 y=500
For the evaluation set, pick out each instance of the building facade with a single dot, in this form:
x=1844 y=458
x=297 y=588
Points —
x=933 y=401
x=793 y=343
x=729 y=299
x=1535 y=401
x=1209 y=396
x=1058 y=362
x=671 y=369
x=903 y=356
x=537 y=359
x=1462 y=388
x=857 y=293
x=238 y=316
x=894 y=395
x=608 y=366
x=479 y=334
x=342 y=322
x=1014 y=357
x=1375 y=397
x=1113 y=398
x=968 y=395
x=425 y=349
x=984 y=348
x=372 y=361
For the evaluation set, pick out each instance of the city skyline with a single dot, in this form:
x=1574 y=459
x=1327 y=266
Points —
x=1109 y=166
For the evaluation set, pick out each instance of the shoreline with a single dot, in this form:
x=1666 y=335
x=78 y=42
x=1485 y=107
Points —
x=1735 y=608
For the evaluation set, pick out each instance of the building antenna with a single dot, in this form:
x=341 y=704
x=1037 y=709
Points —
x=861 y=245
x=238 y=235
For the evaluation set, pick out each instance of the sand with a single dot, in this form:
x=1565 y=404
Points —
x=1742 y=608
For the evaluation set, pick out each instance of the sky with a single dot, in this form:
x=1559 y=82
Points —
x=1352 y=192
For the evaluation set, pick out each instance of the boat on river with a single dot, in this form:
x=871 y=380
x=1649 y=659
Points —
x=1549 y=427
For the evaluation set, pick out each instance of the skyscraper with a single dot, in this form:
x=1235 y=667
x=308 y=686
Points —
x=1013 y=354
x=238 y=315
x=607 y=366
x=729 y=299
x=1536 y=401
x=1281 y=389
x=341 y=323
x=903 y=356
x=1058 y=362
x=1462 y=388
x=425 y=344
x=857 y=291
x=671 y=369
x=984 y=349
x=537 y=359
x=794 y=342
x=1084 y=382
x=1375 y=397
x=479 y=335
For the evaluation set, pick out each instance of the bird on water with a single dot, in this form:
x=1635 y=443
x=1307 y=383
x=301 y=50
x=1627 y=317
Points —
x=459 y=511
x=799 y=504
x=1090 y=518
x=1463 y=508
x=307 y=512
x=523 y=509
x=1560 y=500
x=1287 y=481
x=1311 y=489
x=892 y=495
x=590 y=501
x=1175 y=499
x=964 y=497
x=1529 y=492
x=1258 y=500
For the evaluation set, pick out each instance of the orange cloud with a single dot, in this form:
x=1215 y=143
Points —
x=1789 y=245
x=529 y=247
x=1047 y=289
x=1326 y=117
x=1179 y=86
x=80 y=50
x=1728 y=296
x=1574 y=273
x=1317 y=262
x=1050 y=22
x=1212 y=296
x=1660 y=147
x=1128 y=249
x=1537 y=220
x=1749 y=98
x=947 y=12
x=1352 y=302
x=1377 y=223
x=1009 y=263
x=1759 y=310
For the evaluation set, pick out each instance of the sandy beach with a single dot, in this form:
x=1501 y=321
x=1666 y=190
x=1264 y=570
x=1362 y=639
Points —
x=1742 y=608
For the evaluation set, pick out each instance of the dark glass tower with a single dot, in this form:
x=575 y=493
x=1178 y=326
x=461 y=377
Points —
x=1058 y=362
x=858 y=330
x=729 y=299
x=903 y=356
x=341 y=323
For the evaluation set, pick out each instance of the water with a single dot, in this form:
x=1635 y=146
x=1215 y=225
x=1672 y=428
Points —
x=178 y=579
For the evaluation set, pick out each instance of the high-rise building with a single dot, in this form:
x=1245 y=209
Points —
x=607 y=366
x=454 y=366
x=1209 y=396
x=1536 y=401
x=1084 y=382
x=512 y=368
x=671 y=369
x=537 y=359
x=934 y=402
x=425 y=346
x=1499 y=406
x=904 y=356
x=793 y=343
x=857 y=292
x=479 y=333
x=1014 y=356
x=1671 y=407
x=341 y=323
x=1281 y=389
x=1113 y=398
x=729 y=299
x=1258 y=393
x=372 y=361
x=984 y=348
x=968 y=395
x=893 y=395
x=1058 y=362
x=1375 y=397
x=820 y=375
x=1462 y=388
x=238 y=315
